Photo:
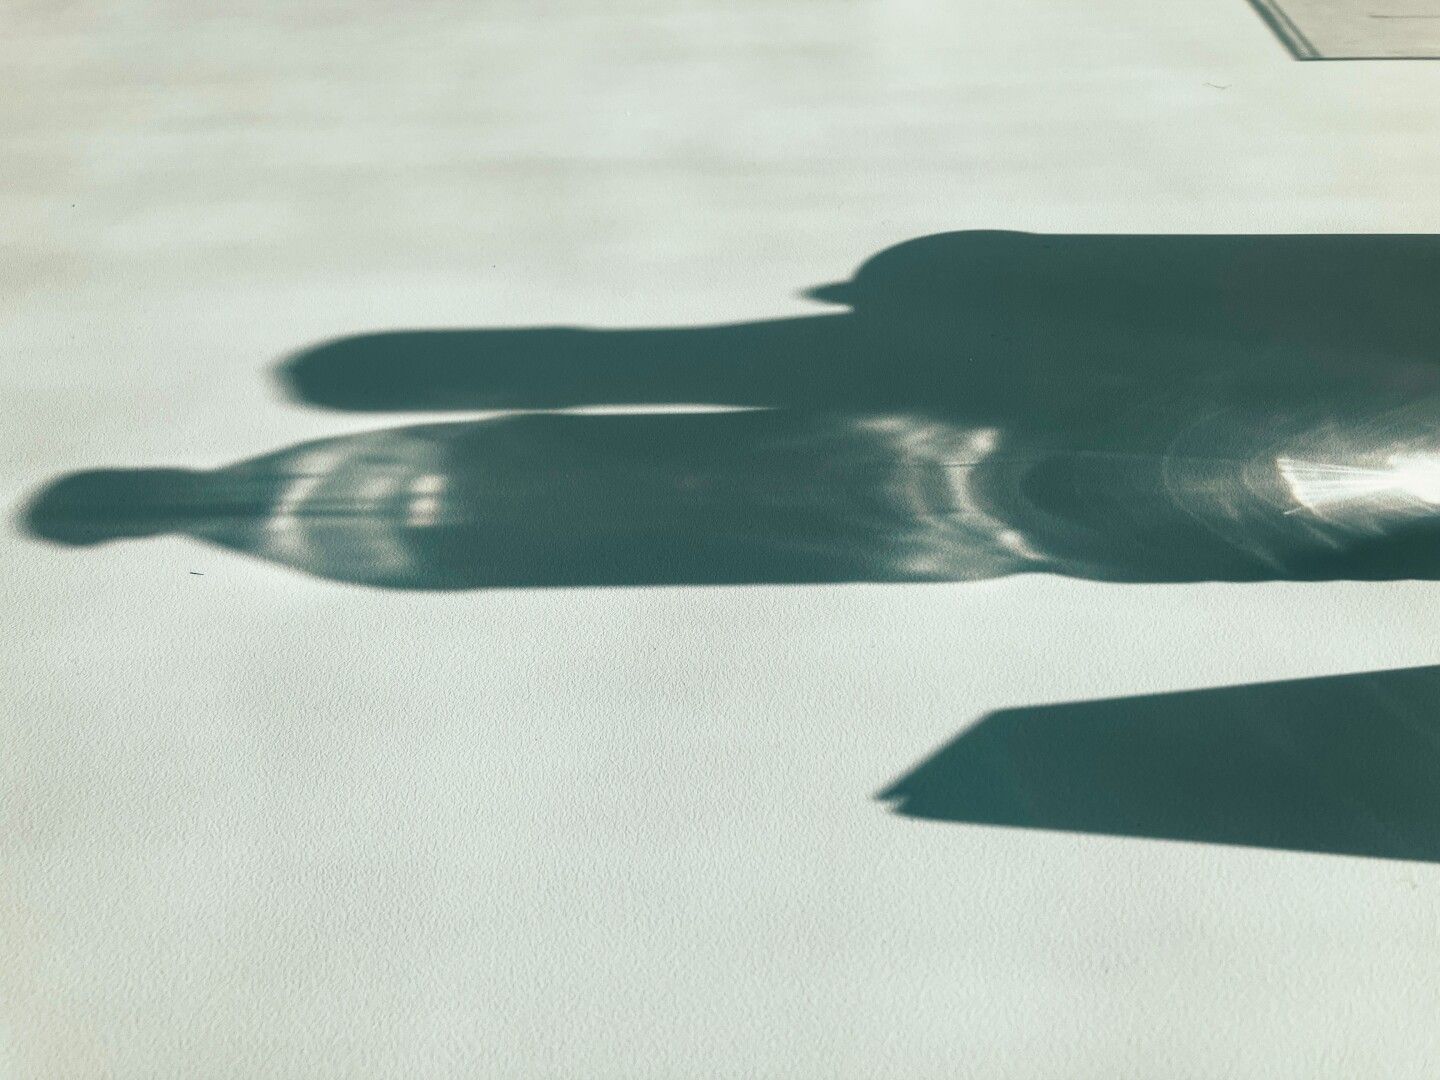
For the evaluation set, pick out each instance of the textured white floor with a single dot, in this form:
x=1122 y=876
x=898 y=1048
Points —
x=262 y=826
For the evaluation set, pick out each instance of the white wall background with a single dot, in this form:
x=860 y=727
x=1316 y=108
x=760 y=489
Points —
x=263 y=826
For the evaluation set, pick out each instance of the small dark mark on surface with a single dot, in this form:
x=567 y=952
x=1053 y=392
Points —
x=197 y=573
x=1219 y=86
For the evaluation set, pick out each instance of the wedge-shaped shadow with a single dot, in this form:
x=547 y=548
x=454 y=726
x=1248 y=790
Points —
x=1348 y=765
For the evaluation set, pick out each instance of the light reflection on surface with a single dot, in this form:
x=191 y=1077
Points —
x=1325 y=488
